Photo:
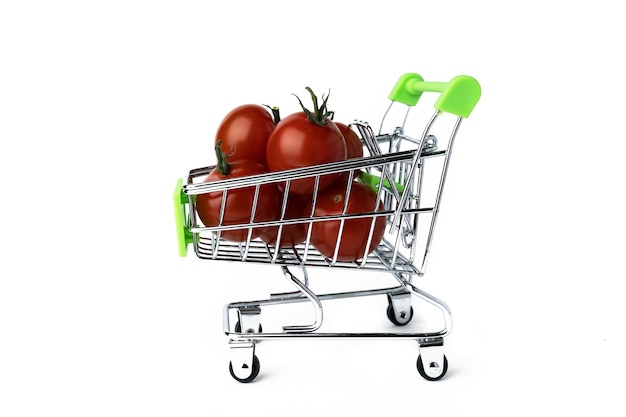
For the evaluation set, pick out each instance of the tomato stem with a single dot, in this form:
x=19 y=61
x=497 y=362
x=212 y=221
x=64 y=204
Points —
x=275 y=113
x=222 y=167
x=320 y=114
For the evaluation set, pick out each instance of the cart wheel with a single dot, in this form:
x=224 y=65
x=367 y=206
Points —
x=238 y=328
x=405 y=319
x=420 y=369
x=256 y=367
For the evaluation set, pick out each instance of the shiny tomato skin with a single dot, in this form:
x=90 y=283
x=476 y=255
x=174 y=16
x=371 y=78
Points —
x=244 y=132
x=354 y=147
x=355 y=231
x=239 y=202
x=291 y=234
x=296 y=143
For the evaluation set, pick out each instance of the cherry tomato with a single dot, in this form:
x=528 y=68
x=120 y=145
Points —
x=291 y=234
x=298 y=143
x=355 y=234
x=244 y=132
x=354 y=147
x=239 y=201
x=306 y=139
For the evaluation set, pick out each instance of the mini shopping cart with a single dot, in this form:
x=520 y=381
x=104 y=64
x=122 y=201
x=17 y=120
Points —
x=408 y=174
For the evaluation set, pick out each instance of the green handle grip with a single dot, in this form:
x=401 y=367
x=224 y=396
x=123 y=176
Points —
x=183 y=235
x=458 y=96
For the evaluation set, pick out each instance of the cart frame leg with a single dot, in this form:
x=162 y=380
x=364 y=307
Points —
x=311 y=296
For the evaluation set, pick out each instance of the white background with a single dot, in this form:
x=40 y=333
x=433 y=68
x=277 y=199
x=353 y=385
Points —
x=103 y=105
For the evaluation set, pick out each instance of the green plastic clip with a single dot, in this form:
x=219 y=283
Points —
x=373 y=181
x=183 y=234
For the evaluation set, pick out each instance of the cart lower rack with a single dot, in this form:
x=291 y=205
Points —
x=405 y=174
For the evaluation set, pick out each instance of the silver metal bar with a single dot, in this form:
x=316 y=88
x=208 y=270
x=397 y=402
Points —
x=373 y=222
x=255 y=201
x=420 y=337
x=307 y=243
x=382 y=120
x=445 y=310
x=444 y=174
x=270 y=223
x=298 y=297
x=311 y=296
x=343 y=214
x=368 y=136
x=415 y=165
x=298 y=173
x=283 y=210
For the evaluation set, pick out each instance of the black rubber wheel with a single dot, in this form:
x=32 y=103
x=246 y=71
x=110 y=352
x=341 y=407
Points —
x=391 y=315
x=256 y=368
x=238 y=327
x=420 y=369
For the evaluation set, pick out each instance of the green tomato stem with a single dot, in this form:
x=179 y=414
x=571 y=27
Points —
x=275 y=113
x=320 y=114
x=222 y=167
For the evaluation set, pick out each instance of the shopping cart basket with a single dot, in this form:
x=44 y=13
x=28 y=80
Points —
x=408 y=175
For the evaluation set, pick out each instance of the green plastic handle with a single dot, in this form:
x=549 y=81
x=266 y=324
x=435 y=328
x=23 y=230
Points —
x=458 y=96
x=183 y=235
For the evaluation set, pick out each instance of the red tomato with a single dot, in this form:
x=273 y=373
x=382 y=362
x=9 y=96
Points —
x=291 y=234
x=354 y=147
x=239 y=202
x=306 y=139
x=353 y=242
x=296 y=143
x=244 y=132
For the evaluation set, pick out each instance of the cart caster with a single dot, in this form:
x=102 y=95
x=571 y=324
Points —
x=434 y=365
x=254 y=372
x=433 y=369
x=248 y=330
x=399 y=310
x=400 y=319
x=250 y=317
x=244 y=365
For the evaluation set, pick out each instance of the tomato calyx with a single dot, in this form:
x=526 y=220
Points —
x=320 y=114
x=222 y=167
